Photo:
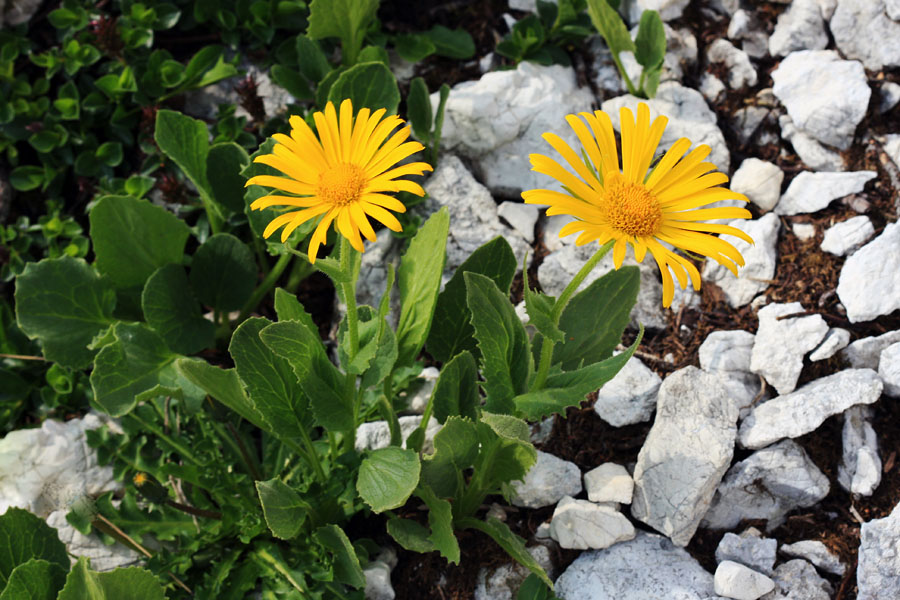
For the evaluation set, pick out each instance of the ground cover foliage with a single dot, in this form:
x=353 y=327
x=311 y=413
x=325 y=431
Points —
x=137 y=282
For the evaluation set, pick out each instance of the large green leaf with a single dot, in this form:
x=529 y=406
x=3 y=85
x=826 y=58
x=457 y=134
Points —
x=224 y=164
x=506 y=539
x=419 y=280
x=63 y=303
x=344 y=19
x=133 y=583
x=283 y=508
x=34 y=580
x=506 y=355
x=171 y=309
x=456 y=448
x=452 y=43
x=344 y=559
x=456 y=390
x=367 y=334
x=610 y=25
x=440 y=519
x=387 y=477
x=269 y=380
x=24 y=536
x=451 y=330
x=540 y=311
x=311 y=60
x=506 y=453
x=367 y=84
x=186 y=141
x=650 y=43
x=222 y=384
x=418 y=108
x=410 y=535
x=289 y=308
x=223 y=272
x=132 y=238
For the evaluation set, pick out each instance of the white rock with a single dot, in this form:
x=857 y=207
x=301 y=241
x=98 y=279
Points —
x=522 y=217
x=892 y=8
x=103 y=557
x=630 y=397
x=859 y=471
x=810 y=192
x=835 y=340
x=847 y=236
x=543 y=531
x=681 y=54
x=373 y=276
x=503 y=582
x=878 y=569
x=880 y=46
x=553 y=224
x=800 y=27
x=827 y=7
x=798 y=580
x=804 y=231
x=746 y=121
x=648 y=566
x=889 y=370
x=865 y=353
x=869 y=285
x=781 y=344
x=767 y=485
x=760 y=258
x=498 y=120
x=688 y=114
x=734 y=580
x=419 y=400
x=377 y=434
x=609 y=483
x=741 y=72
x=582 y=525
x=685 y=455
x=711 y=87
x=802 y=411
x=727 y=354
x=743 y=27
x=378 y=581
x=814 y=154
x=825 y=96
x=890 y=96
x=547 y=482
x=818 y=554
x=760 y=181
x=892 y=146
x=668 y=9
x=750 y=549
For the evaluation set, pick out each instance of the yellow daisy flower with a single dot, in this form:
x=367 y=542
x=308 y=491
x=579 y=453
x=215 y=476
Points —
x=341 y=175
x=639 y=205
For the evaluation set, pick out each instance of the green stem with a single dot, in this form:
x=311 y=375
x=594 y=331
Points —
x=253 y=466
x=349 y=293
x=212 y=214
x=546 y=343
x=312 y=456
x=621 y=68
x=263 y=288
x=183 y=450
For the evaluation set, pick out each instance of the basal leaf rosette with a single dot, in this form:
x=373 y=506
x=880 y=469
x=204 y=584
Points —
x=654 y=208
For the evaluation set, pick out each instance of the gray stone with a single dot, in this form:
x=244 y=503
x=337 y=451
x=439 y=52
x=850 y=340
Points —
x=865 y=353
x=685 y=455
x=825 y=96
x=547 y=482
x=800 y=27
x=711 y=87
x=204 y=103
x=741 y=72
x=749 y=548
x=378 y=581
x=583 y=525
x=804 y=231
x=880 y=46
x=798 y=580
x=553 y=224
x=16 y=12
x=744 y=27
x=869 y=284
x=814 y=154
x=498 y=120
x=688 y=114
x=609 y=483
x=668 y=9
x=103 y=557
x=797 y=413
x=768 y=484
x=818 y=554
x=892 y=147
x=734 y=580
x=727 y=354
x=377 y=434
x=889 y=96
x=878 y=569
x=781 y=344
x=860 y=469
x=847 y=236
x=648 y=566
x=373 y=275
x=810 y=192
x=503 y=582
x=759 y=261
x=522 y=217
x=760 y=181
x=889 y=370
x=747 y=120
x=827 y=7
x=835 y=340
x=630 y=397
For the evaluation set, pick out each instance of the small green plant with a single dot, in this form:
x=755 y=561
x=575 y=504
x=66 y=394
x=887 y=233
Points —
x=543 y=38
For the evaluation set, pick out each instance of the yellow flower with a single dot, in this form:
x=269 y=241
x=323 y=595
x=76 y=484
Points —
x=639 y=205
x=340 y=176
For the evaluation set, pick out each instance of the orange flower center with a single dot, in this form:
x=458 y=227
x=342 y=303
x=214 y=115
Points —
x=341 y=185
x=630 y=207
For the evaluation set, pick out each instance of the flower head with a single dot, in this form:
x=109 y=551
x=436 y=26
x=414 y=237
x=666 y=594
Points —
x=341 y=175
x=649 y=208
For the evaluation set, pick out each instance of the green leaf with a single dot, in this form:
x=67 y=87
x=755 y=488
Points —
x=387 y=477
x=451 y=43
x=24 y=536
x=414 y=47
x=506 y=539
x=345 y=562
x=374 y=54
x=385 y=356
x=540 y=310
x=651 y=81
x=133 y=583
x=456 y=390
x=27 y=177
x=224 y=164
x=456 y=449
x=169 y=306
x=534 y=589
x=283 y=508
x=344 y=19
x=35 y=580
x=419 y=280
x=650 y=43
x=506 y=356
x=369 y=84
x=185 y=140
x=288 y=308
x=440 y=519
x=292 y=81
x=207 y=59
x=506 y=450
x=596 y=317
x=63 y=303
x=410 y=535
x=223 y=272
x=451 y=330
x=132 y=238
x=222 y=384
x=269 y=380
x=368 y=326
x=418 y=108
x=311 y=60
x=109 y=153
x=610 y=25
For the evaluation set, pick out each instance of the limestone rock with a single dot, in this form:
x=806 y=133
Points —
x=547 y=482
x=798 y=580
x=860 y=469
x=609 y=483
x=668 y=9
x=741 y=72
x=750 y=549
x=103 y=557
x=630 y=397
x=869 y=285
x=734 y=580
x=804 y=231
x=800 y=27
x=760 y=181
x=813 y=153
x=818 y=554
x=686 y=452
x=810 y=192
x=889 y=96
x=880 y=46
x=878 y=569
x=781 y=344
x=744 y=27
x=889 y=370
x=865 y=353
x=835 y=340
x=378 y=581
x=847 y=236
x=377 y=434
x=583 y=525
x=418 y=401
x=522 y=217
x=503 y=583
x=727 y=354
x=711 y=87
